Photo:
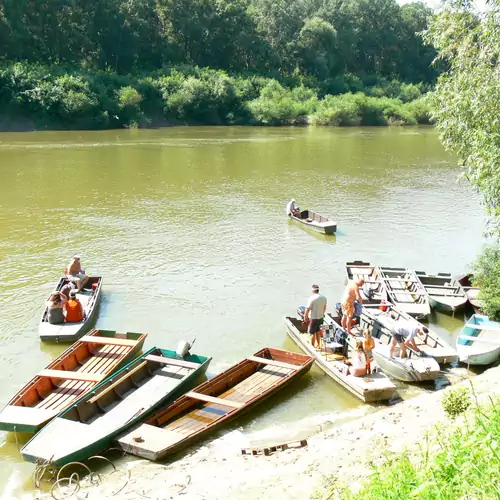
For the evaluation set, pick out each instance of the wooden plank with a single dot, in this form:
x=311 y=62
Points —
x=211 y=399
x=272 y=362
x=117 y=382
x=172 y=361
x=108 y=340
x=66 y=375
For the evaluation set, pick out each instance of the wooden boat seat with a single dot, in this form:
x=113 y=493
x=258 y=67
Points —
x=109 y=341
x=25 y=415
x=68 y=375
x=483 y=327
x=171 y=361
x=211 y=399
x=117 y=382
x=481 y=340
x=272 y=362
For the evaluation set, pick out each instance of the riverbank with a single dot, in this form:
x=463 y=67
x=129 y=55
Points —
x=38 y=97
x=345 y=454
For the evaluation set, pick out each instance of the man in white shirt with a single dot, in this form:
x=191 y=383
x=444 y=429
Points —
x=315 y=312
x=292 y=208
x=404 y=335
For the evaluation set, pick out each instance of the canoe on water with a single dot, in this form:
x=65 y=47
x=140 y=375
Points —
x=405 y=291
x=471 y=291
x=89 y=425
x=75 y=372
x=214 y=403
x=383 y=326
x=69 y=332
x=374 y=288
x=479 y=341
x=444 y=292
x=337 y=346
x=316 y=221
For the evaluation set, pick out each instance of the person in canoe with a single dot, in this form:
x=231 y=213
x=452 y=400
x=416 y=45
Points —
x=76 y=274
x=404 y=336
x=315 y=312
x=351 y=295
x=74 y=309
x=56 y=308
x=292 y=208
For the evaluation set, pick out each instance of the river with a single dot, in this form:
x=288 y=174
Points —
x=187 y=225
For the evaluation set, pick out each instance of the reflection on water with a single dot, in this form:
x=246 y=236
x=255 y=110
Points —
x=187 y=227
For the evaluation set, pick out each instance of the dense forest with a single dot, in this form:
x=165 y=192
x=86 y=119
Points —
x=112 y=63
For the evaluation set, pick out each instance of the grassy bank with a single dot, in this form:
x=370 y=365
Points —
x=463 y=463
x=40 y=97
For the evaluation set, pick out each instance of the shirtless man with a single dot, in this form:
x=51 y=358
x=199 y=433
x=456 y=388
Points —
x=351 y=294
x=75 y=273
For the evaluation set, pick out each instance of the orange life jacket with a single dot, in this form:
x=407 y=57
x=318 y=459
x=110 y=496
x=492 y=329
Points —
x=74 y=311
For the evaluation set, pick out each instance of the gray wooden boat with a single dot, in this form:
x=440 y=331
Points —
x=316 y=222
x=374 y=290
x=69 y=332
x=127 y=397
x=405 y=291
x=369 y=388
x=445 y=293
x=384 y=322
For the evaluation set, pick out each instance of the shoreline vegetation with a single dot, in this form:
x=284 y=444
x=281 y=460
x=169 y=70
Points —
x=94 y=65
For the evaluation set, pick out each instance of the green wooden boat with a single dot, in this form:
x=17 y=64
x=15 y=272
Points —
x=444 y=292
x=89 y=425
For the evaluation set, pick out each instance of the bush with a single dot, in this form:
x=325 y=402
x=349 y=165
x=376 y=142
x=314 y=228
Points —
x=338 y=110
x=456 y=401
x=487 y=277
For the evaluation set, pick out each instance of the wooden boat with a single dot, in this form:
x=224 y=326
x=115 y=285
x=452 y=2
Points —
x=479 y=341
x=89 y=425
x=74 y=373
x=69 y=332
x=369 y=388
x=213 y=403
x=316 y=221
x=444 y=292
x=373 y=291
x=471 y=291
x=383 y=324
x=405 y=291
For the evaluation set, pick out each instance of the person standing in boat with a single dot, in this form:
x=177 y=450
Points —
x=315 y=312
x=292 y=208
x=404 y=336
x=351 y=294
x=76 y=274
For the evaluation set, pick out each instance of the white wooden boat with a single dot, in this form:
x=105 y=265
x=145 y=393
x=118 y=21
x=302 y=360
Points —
x=369 y=388
x=479 y=341
x=374 y=289
x=316 y=222
x=444 y=292
x=69 y=332
x=383 y=324
x=405 y=291
x=89 y=425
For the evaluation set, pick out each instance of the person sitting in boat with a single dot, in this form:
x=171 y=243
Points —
x=351 y=294
x=292 y=208
x=76 y=274
x=404 y=335
x=66 y=289
x=359 y=361
x=74 y=309
x=315 y=312
x=55 y=308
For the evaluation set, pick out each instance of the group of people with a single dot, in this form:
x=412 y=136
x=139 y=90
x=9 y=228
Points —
x=351 y=305
x=64 y=306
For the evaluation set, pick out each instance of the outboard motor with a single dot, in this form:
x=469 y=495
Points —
x=183 y=348
x=301 y=310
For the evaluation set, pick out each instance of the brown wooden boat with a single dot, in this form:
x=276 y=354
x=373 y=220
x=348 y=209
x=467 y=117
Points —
x=74 y=373
x=213 y=403
x=471 y=291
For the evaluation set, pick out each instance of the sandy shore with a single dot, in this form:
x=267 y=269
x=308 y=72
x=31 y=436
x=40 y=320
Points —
x=219 y=470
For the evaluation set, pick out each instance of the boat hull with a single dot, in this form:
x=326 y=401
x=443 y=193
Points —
x=479 y=341
x=67 y=439
x=442 y=306
x=407 y=370
x=316 y=222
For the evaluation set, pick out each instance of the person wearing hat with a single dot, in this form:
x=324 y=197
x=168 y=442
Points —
x=292 y=208
x=315 y=312
x=74 y=309
x=75 y=273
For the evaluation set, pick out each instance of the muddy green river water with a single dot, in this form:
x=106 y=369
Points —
x=187 y=226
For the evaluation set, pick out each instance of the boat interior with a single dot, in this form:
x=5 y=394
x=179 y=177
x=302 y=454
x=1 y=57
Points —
x=71 y=375
x=313 y=217
x=403 y=286
x=370 y=275
x=441 y=284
